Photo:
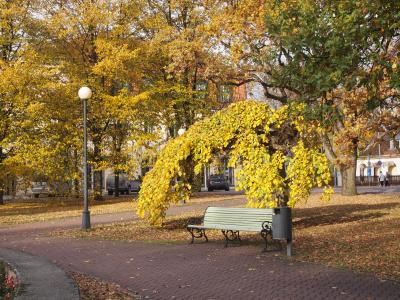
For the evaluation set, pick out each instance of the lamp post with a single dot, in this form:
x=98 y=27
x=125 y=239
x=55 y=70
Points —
x=180 y=132
x=84 y=94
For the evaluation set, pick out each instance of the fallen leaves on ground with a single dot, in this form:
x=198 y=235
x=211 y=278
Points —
x=174 y=230
x=44 y=209
x=91 y=288
x=360 y=232
x=58 y=208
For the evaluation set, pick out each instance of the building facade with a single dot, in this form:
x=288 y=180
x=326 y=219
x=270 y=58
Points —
x=383 y=157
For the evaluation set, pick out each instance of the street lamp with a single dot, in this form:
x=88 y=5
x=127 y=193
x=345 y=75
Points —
x=84 y=94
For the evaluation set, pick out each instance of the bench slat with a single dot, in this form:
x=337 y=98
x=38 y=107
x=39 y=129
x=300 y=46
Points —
x=215 y=208
x=221 y=227
x=235 y=218
x=209 y=215
x=237 y=221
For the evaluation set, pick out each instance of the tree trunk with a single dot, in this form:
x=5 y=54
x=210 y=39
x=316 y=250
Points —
x=97 y=174
x=76 y=182
x=76 y=186
x=1 y=189
x=98 y=191
x=197 y=182
x=348 y=171
x=349 y=179
x=116 y=185
x=284 y=197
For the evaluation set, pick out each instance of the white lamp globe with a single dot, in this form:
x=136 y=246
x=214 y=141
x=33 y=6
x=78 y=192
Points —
x=181 y=131
x=84 y=93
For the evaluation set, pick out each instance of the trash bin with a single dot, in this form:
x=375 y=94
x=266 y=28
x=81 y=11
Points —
x=282 y=226
x=282 y=223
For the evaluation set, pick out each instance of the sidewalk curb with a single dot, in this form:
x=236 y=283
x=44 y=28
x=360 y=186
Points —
x=40 y=279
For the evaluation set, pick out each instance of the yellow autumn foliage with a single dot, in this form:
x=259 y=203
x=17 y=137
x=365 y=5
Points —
x=247 y=131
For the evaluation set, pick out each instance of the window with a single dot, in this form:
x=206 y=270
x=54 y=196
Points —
x=225 y=93
x=201 y=90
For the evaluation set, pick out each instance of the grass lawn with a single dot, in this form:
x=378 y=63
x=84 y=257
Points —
x=44 y=209
x=361 y=233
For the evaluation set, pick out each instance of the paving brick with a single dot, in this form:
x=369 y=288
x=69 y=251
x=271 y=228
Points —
x=185 y=271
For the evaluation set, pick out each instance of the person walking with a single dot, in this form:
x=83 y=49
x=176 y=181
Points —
x=382 y=178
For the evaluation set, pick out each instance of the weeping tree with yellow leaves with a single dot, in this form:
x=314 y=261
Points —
x=277 y=154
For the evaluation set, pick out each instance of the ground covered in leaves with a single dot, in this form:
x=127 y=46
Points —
x=93 y=288
x=360 y=233
x=44 y=209
x=173 y=231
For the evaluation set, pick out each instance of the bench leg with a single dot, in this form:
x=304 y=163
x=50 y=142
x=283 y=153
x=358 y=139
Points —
x=230 y=235
x=264 y=235
x=289 y=248
x=197 y=233
x=267 y=230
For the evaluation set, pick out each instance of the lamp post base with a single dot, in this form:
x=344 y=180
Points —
x=86 y=220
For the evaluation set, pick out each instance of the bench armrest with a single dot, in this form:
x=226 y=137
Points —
x=267 y=226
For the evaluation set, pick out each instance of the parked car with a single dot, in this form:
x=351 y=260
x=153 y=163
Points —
x=125 y=185
x=217 y=182
x=134 y=185
x=40 y=188
x=49 y=189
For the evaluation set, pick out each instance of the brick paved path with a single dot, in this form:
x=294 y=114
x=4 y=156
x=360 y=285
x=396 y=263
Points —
x=201 y=271
x=207 y=271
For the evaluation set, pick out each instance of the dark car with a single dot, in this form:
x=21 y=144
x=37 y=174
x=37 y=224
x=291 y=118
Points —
x=218 y=182
x=134 y=185
x=125 y=185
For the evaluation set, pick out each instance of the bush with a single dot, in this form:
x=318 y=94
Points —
x=8 y=282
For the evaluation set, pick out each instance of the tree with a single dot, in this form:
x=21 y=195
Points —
x=277 y=151
x=182 y=70
x=93 y=43
x=335 y=55
x=331 y=55
x=140 y=58
x=17 y=28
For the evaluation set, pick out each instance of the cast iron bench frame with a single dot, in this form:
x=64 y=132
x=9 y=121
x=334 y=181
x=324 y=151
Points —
x=232 y=220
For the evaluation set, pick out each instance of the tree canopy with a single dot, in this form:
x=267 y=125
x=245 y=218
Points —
x=338 y=57
x=278 y=159
x=159 y=65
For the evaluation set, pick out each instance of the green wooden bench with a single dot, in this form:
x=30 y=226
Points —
x=233 y=220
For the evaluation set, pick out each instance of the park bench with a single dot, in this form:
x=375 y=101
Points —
x=233 y=220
